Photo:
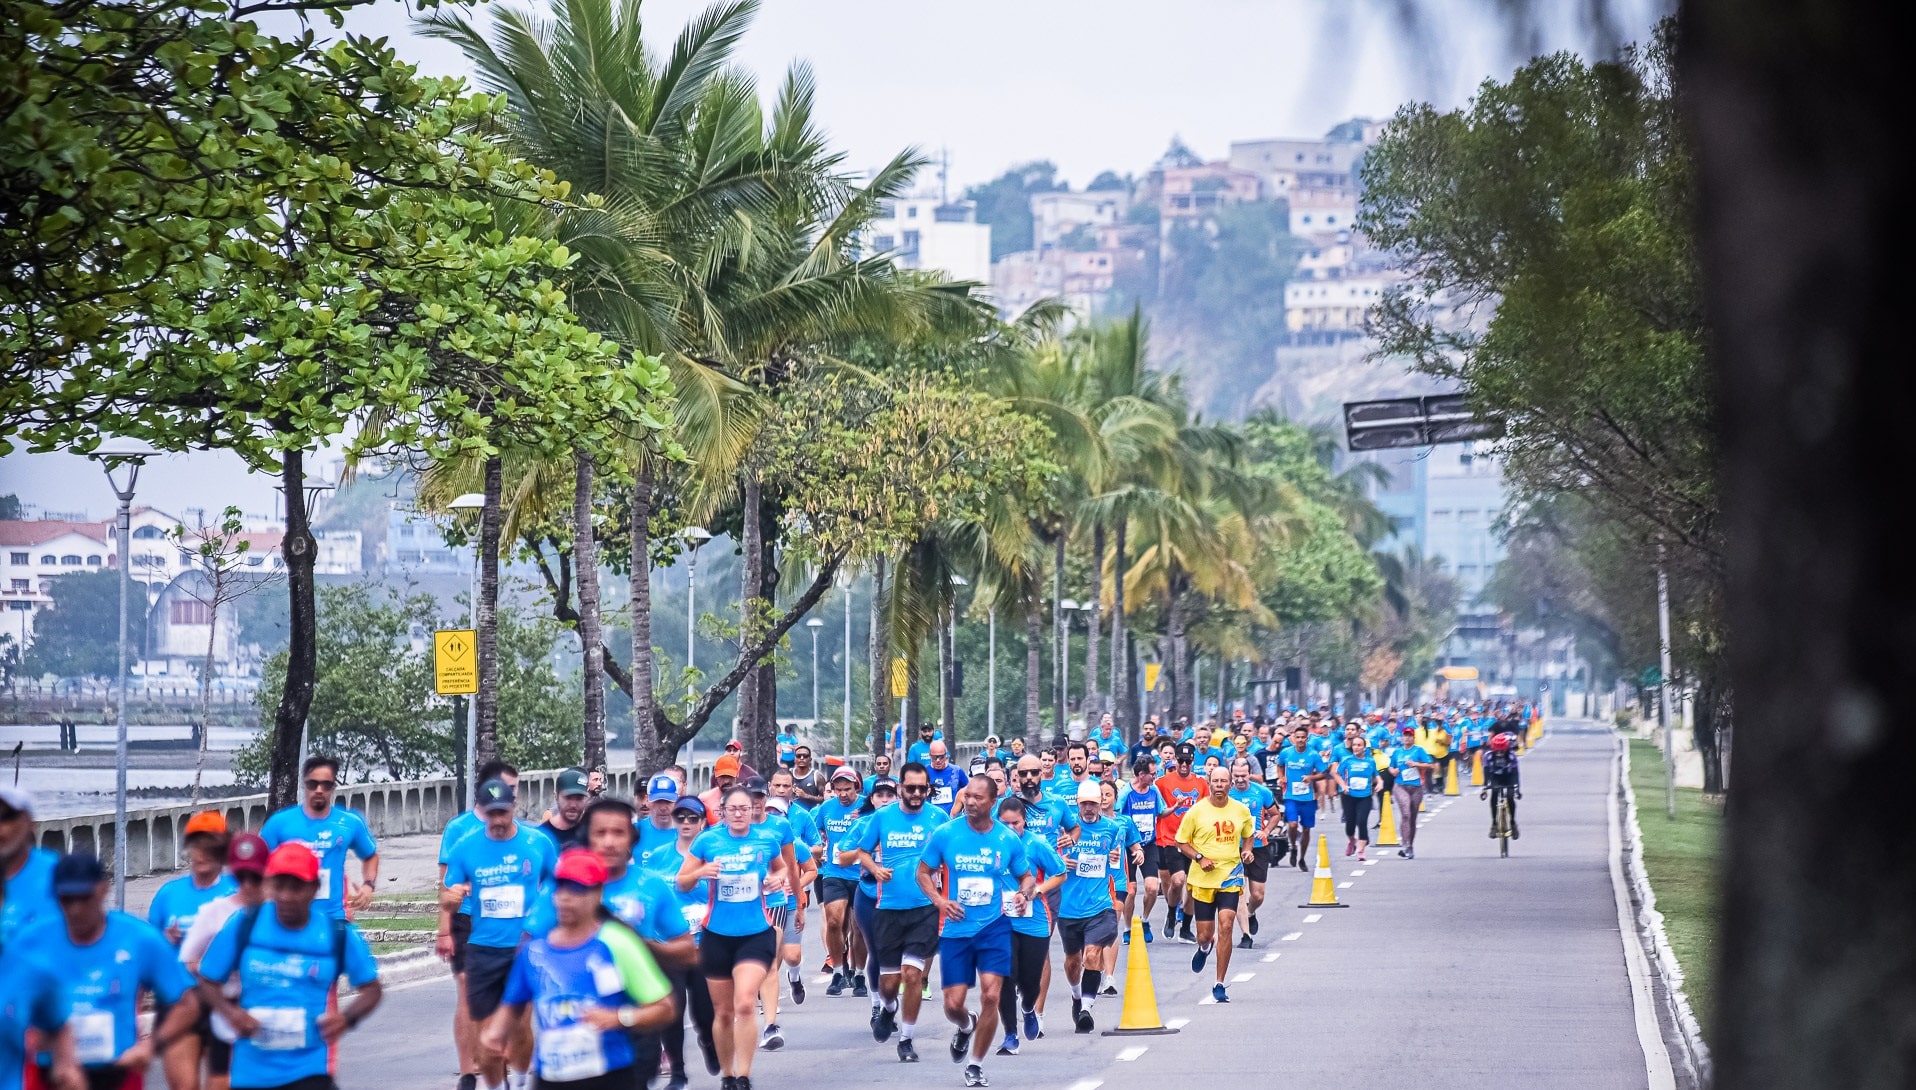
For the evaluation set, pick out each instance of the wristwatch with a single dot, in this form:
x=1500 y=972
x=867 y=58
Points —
x=628 y=1016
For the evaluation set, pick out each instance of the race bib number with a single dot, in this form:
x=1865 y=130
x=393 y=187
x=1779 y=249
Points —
x=976 y=891
x=942 y=795
x=1090 y=866
x=734 y=888
x=1300 y=789
x=571 y=1053
x=605 y=979
x=93 y=1037
x=1360 y=783
x=1016 y=906
x=281 y=1029
x=325 y=885
x=503 y=902
x=1146 y=823
x=694 y=915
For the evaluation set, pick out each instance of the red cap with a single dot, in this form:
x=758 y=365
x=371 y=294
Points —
x=580 y=866
x=247 y=852
x=295 y=859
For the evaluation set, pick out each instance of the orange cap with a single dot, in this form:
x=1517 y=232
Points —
x=725 y=766
x=206 y=821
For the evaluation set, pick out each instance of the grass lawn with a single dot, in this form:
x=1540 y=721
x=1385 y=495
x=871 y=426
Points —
x=1681 y=858
x=412 y=923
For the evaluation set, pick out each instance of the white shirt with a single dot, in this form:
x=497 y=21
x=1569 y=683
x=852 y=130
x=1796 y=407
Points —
x=206 y=927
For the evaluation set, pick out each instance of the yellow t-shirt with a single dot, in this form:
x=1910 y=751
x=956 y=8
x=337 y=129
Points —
x=1219 y=833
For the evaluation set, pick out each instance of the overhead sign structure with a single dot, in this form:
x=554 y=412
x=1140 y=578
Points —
x=455 y=661
x=1414 y=422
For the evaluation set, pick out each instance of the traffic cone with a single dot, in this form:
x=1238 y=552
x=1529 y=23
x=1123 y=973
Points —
x=1476 y=768
x=1452 y=777
x=1138 y=1017
x=1387 y=825
x=1323 y=885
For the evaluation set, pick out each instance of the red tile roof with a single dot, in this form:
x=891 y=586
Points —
x=41 y=531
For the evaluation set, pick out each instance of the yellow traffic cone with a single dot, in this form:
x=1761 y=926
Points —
x=1476 y=768
x=1387 y=825
x=1323 y=886
x=1138 y=1017
x=1453 y=776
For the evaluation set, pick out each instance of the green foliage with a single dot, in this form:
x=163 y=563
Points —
x=10 y=508
x=73 y=637
x=1005 y=204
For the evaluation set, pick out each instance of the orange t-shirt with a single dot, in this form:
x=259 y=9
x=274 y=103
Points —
x=1180 y=793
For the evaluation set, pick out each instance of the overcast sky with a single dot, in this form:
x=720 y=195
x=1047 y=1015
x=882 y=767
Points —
x=1089 y=84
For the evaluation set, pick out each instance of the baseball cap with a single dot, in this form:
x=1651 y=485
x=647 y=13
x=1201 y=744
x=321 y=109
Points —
x=496 y=795
x=884 y=783
x=1186 y=751
x=661 y=787
x=211 y=822
x=247 y=852
x=18 y=798
x=757 y=786
x=726 y=765
x=774 y=803
x=1408 y=729
x=691 y=804
x=734 y=746
x=1089 y=792
x=845 y=772
x=580 y=867
x=77 y=875
x=572 y=782
x=295 y=859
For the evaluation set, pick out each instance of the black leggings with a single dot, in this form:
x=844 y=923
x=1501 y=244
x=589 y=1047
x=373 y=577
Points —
x=1027 y=970
x=1357 y=817
x=1512 y=792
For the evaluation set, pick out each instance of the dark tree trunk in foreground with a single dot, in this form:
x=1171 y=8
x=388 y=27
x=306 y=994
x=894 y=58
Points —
x=585 y=551
x=1122 y=702
x=302 y=666
x=485 y=706
x=648 y=750
x=947 y=675
x=1034 y=670
x=880 y=662
x=1092 y=706
x=1793 y=105
x=1058 y=665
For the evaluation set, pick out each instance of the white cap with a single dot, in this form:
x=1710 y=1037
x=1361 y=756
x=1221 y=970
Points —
x=18 y=798
x=774 y=802
x=1088 y=791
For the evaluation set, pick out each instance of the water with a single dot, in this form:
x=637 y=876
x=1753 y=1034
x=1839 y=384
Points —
x=72 y=784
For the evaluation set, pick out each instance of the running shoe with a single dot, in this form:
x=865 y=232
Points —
x=468 y=1082
x=1127 y=936
x=884 y=1024
x=1251 y=924
x=798 y=992
x=1184 y=930
x=837 y=986
x=1109 y=989
x=1244 y=942
x=728 y=1083
x=772 y=1039
x=975 y=1076
x=858 y=986
x=744 y=1082
x=1034 y=1029
x=1410 y=853
x=1084 y=1020
x=907 y=1053
x=1198 y=959
x=1010 y=1045
x=1217 y=994
x=1148 y=937
x=961 y=1043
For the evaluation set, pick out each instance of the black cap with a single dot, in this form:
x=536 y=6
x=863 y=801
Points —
x=1187 y=751
x=77 y=874
x=756 y=785
x=885 y=782
x=497 y=795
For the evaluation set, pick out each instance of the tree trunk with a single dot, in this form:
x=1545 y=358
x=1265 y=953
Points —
x=206 y=682
x=948 y=697
x=751 y=588
x=299 y=551
x=1816 y=970
x=585 y=557
x=1223 y=689
x=1092 y=705
x=648 y=751
x=1034 y=671
x=1121 y=662
x=1177 y=642
x=1058 y=682
x=486 y=613
x=880 y=660
x=764 y=740
x=914 y=705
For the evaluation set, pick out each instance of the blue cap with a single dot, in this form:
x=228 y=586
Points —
x=661 y=787
x=77 y=874
x=690 y=804
x=496 y=795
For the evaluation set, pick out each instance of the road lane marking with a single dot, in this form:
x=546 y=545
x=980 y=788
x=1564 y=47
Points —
x=1345 y=885
x=1131 y=1053
x=1243 y=978
x=1177 y=1023
x=1270 y=957
x=1292 y=937
x=1314 y=917
x=1086 y=1084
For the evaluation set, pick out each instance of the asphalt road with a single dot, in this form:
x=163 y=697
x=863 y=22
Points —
x=1456 y=969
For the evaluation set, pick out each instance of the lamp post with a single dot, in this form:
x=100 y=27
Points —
x=991 y=673
x=114 y=456
x=694 y=536
x=950 y=668
x=814 y=624
x=1067 y=606
x=471 y=501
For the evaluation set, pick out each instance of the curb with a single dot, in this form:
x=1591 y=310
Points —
x=1650 y=931
x=405 y=966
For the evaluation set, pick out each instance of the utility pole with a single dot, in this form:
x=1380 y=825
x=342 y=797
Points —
x=1663 y=686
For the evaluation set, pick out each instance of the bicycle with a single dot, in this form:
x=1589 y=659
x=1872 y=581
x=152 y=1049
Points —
x=1501 y=823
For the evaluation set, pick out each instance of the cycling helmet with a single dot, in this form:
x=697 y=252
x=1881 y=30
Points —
x=1500 y=743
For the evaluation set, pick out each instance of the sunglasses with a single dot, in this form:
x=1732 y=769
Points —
x=916 y=788
x=321 y=785
x=687 y=816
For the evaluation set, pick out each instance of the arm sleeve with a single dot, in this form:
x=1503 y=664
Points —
x=643 y=980
x=934 y=854
x=1020 y=861
x=361 y=967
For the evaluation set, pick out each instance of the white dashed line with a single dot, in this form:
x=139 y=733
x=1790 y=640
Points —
x=825 y=979
x=1131 y=1053
x=1177 y=1023
x=1292 y=937
x=1242 y=978
x=1345 y=885
x=1270 y=957
x=1086 y=1084
x=1314 y=917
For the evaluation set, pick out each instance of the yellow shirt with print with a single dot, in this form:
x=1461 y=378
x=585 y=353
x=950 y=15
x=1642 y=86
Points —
x=1219 y=833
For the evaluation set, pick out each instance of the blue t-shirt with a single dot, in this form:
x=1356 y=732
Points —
x=284 y=976
x=946 y=782
x=1091 y=876
x=1400 y=763
x=1359 y=775
x=835 y=821
x=650 y=839
x=664 y=864
x=178 y=902
x=1045 y=862
x=506 y=877
x=735 y=899
x=30 y=998
x=30 y=896
x=456 y=830
x=645 y=902
x=1048 y=817
x=867 y=885
x=561 y=983
x=330 y=838
x=920 y=752
x=779 y=828
x=787 y=748
x=1142 y=808
x=896 y=839
x=101 y=981
x=1298 y=766
x=978 y=870
x=1256 y=798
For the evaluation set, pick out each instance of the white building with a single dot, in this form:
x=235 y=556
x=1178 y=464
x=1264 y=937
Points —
x=926 y=233
x=1056 y=215
x=339 y=552
x=34 y=552
x=1319 y=311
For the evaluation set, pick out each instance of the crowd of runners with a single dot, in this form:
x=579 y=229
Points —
x=589 y=947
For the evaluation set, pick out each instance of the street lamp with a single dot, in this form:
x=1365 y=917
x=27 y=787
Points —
x=471 y=501
x=693 y=536
x=814 y=624
x=115 y=455
x=949 y=669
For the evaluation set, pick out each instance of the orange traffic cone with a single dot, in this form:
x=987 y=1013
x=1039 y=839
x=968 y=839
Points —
x=1323 y=886
x=1138 y=1017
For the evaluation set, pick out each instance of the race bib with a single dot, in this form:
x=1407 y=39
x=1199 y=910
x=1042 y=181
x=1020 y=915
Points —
x=93 y=1037
x=1016 y=906
x=1146 y=823
x=605 y=979
x=733 y=888
x=325 y=885
x=1300 y=789
x=503 y=902
x=281 y=1029
x=942 y=795
x=1090 y=866
x=694 y=915
x=976 y=891
x=1360 y=783
x=571 y=1053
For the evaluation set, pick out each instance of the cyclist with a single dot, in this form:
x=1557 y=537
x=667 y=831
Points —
x=904 y=921
x=1501 y=776
x=738 y=864
x=1030 y=933
x=1215 y=837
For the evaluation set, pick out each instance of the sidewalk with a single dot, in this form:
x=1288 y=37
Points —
x=408 y=867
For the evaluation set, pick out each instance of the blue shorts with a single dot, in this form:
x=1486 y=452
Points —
x=960 y=960
x=1302 y=811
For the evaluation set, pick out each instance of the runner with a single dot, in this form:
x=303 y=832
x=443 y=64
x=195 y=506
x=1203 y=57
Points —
x=725 y=772
x=330 y=831
x=1180 y=791
x=838 y=885
x=502 y=867
x=1410 y=765
x=589 y=984
x=1262 y=804
x=904 y=921
x=1141 y=804
x=884 y=793
x=285 y=956
x=455 y=932
x=688 y=981
x=965 y=870
x=1356 y=776
x=658 y=830
x=26 y=896
x=1087 y=915
x=103 y=961
x=562 y=821
x=1031 y=926
x=787 y=907
x=1303 y=766
x=32 y=1002
x=175 y=907
x=738 y=865
x=807 y=782
x=946 y=778
x=246 y=863
x=1215 y=835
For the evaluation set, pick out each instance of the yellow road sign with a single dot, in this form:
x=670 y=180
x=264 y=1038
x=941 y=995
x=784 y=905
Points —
x=900 y=678
x=455 y=661
x=1151 y=676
